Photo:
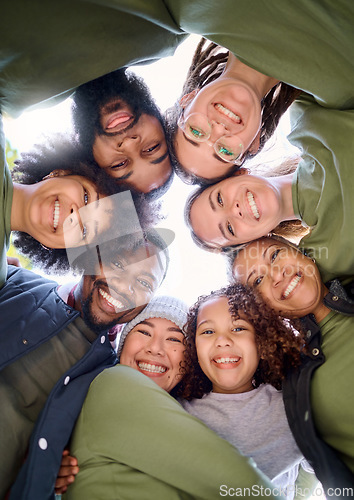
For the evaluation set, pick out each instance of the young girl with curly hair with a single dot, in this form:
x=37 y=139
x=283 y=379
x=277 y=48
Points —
x=238 y=353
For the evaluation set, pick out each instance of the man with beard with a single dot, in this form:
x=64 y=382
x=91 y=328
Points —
x=121 y=128
x=50 y=352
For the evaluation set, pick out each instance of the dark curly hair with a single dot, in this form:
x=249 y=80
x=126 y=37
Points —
x=207 y=65
x=89 y=99
x=63 y=153
x=279 y=342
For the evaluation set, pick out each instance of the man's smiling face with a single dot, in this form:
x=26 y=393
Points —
x=125 y=282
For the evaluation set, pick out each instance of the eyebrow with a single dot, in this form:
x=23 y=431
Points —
x=160 y=160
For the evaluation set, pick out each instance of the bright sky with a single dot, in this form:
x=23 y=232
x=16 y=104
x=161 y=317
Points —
x=192 y=271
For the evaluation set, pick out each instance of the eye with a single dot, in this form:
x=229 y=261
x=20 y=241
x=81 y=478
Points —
x=152 y=148
x=122 y=164
x=238 y=329
x=86 y=197
x=145 y=284
x=175 y=339
x=229 y=228
x=274 y=255
x=222 y=151
x=195 y=133
x=207 y=332
x=117 y=264
x=144 y=332
x=258 y=281
x=219 y=200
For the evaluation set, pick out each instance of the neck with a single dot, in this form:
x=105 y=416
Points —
x=321 y=311
x=19 y=206
x=283 y=184
x=261 y=83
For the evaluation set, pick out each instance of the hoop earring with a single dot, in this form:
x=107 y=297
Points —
x=52 y=174
x=45 y=248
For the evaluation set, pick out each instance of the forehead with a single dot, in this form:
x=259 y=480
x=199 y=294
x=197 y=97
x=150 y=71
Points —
x=212 y=306
x=158 y=324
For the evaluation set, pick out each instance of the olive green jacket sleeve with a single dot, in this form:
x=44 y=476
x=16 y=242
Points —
x=133 y=440
x=6 y=193
x=48 y=48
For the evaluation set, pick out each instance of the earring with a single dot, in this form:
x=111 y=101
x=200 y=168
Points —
x=52 y=174
x=45 y=248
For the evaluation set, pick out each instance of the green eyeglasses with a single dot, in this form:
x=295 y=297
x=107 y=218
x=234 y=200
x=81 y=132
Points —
x=198 y=129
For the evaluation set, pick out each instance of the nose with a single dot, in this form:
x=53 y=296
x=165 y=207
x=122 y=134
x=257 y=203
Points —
x=128 y=141
x=123 y=283
x=223 y=340
x=155 y=346
x=277 y=275
x=218 y=129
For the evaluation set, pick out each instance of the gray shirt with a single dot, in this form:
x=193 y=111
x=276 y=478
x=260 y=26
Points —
x=255 y=423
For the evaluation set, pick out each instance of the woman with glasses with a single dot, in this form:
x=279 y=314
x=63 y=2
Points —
x=227 y=112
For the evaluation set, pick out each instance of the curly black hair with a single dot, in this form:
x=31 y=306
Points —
x=207 y=65
x=89 y=99
x=62 y=152
x=279 y=342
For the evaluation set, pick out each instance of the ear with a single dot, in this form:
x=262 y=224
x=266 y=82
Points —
x=242 y=171
x=188 y=98
x=60 y=172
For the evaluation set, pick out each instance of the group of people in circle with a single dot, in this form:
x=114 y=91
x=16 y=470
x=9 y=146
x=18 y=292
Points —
x=249 y=386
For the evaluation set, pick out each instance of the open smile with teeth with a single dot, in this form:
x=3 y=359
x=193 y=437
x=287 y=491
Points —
x=56 y=214
x=112 y=301
x=220 y=361
x=292 y=285
x=227 y=112
x=149 y=367
x=252 y=204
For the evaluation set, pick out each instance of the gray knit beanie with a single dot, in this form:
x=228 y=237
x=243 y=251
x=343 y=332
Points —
x=164 y=307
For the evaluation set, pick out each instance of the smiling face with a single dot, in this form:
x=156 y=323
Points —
x=65 y=211
x=124 y=284
x=236 y=210
x=134 y=151
x=226 y=348
x=288 y=280
x=155 y=347
x=232 y=109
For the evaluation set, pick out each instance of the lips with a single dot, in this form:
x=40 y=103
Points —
x=252 y=205
x=56 y=214
x=292 y=286
x=118 y=120
x=228 y=113
x=227 y=361
x=112 y=304
x=151 y=368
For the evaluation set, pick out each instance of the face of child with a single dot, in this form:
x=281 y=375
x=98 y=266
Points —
x=66 y=211
x=288 y=280
x=155 y=347
x=134 y=152
x=226 y=348
x=236 y=210
x=221 y=121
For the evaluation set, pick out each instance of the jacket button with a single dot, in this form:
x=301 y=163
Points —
x=315 y=351
x=103 y=339
x=306 y=417
x=67 y=380
x=43 y=444
x=25 y=341
x=335 y=298
x=308 y=334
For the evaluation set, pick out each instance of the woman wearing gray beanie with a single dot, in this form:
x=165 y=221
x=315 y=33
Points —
x=154 y=342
